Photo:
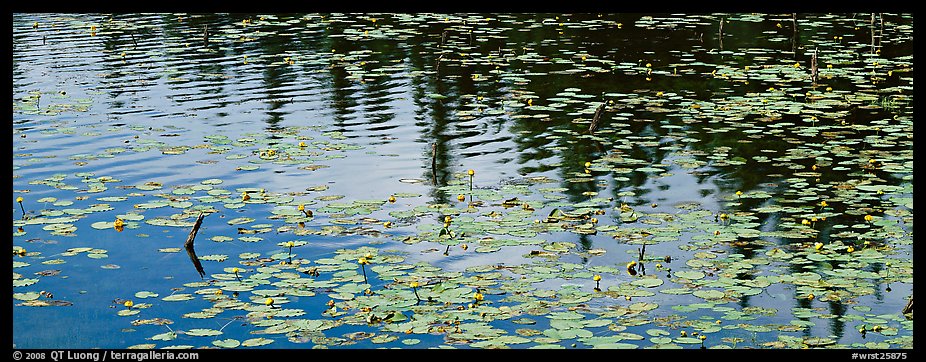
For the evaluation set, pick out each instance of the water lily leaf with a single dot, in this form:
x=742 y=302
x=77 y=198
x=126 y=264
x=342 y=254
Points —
x=166 y=336
x=203 y=332
x=708 y=294
x=256 y=342
x=648 y=282
x=145 y=294
x=177 y=297
x=226 y=343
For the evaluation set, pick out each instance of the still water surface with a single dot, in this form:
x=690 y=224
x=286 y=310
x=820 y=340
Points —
x=165 y=115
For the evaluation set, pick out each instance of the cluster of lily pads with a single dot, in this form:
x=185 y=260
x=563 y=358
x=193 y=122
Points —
x=831 y=224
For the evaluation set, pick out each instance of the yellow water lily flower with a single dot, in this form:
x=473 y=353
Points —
x=235 y=270
x=387 y=224
x=290 y=244
x=301 y=144
x=818 y=246
x=868 y=218
x=739 y=193
x=268 y=301
x=391 y=198
x=245 y=196
x=128 y=304
x=631 y=264
x=19 y=199
x=119 y=223
x=414 y=284
x=464 y=246
x=363 y=261
x=850 y=249
x=810 y=296
x=823 y=203
x=596 y=278
x=805 y=222
x=461 y=197
x=478 y=296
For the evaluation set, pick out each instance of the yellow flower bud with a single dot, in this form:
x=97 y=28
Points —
x=597 y=277
x=19 y=199
x=391 y=198
x=414 y=284
x=818 y=246
x=128 y=304
x=461 y=198
x=472 y=172
x=268 y=301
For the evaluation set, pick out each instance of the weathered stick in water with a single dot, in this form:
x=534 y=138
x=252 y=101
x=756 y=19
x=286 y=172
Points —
x=597 y=118
x=909 y=307
x=814 y=72
x=434 y=163
x=188 y=245
x=189 y=240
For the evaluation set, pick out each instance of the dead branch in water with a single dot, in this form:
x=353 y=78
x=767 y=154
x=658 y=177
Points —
x=188 y=245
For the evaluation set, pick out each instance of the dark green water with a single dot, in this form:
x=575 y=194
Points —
x=155 y=118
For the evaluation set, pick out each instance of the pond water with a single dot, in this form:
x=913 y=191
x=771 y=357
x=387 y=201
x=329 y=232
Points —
x=658 y=181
